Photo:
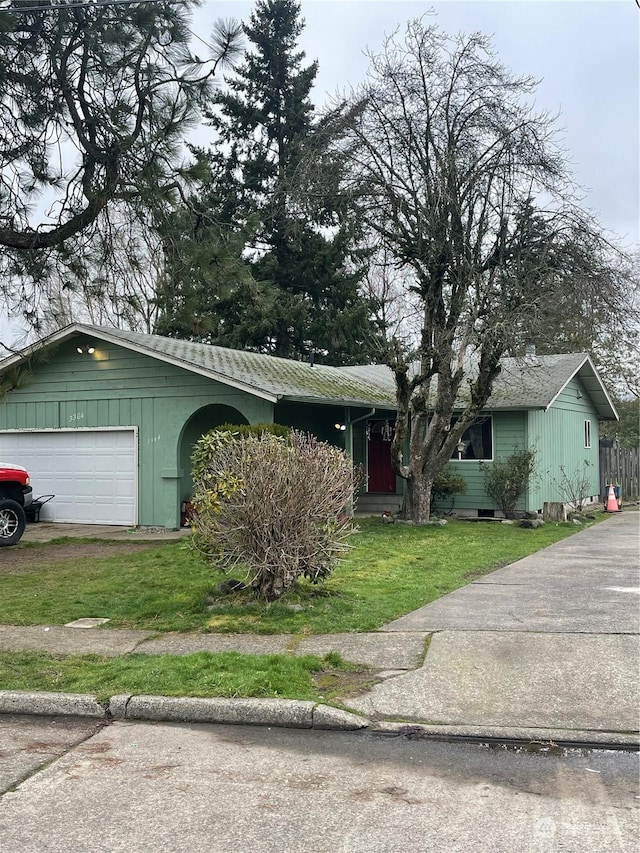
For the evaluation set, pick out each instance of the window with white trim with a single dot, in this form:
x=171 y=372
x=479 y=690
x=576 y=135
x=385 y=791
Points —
x=587 y=433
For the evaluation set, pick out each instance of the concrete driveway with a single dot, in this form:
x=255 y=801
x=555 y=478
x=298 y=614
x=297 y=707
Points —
x=549 y=643
x=47 y=531
x=588 y=583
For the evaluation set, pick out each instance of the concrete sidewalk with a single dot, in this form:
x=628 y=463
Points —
x=392 y=651
x=544 y=649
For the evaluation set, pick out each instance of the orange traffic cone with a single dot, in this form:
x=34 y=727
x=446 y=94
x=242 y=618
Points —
x=612 y=503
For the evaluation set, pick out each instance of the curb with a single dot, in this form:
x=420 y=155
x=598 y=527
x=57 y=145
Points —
x=294 y=713
x=288 y=713
x=545 y=739
x=53 y=704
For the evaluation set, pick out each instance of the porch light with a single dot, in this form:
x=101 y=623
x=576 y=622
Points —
x=340 y=427
x=460 y=446
x=83 y=350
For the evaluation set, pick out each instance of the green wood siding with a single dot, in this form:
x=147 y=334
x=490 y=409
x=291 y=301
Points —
x=118 y=387
x=558 y=436
x=509 y=434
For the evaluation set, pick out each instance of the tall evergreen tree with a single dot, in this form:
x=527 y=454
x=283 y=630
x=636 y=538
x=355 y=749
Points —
x=304 y=292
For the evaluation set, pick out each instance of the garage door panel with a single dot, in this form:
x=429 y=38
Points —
x=92 y=473
x=102 y=464
x=124 y=490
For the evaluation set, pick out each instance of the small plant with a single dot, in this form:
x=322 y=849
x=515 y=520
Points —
x=271 y=506
x=575 y=488
x=505 y=481
x=446 y=484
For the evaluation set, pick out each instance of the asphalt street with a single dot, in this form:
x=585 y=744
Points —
x=74 y=785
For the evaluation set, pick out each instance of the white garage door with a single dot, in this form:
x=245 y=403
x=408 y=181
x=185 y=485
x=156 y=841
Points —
x=92 y=473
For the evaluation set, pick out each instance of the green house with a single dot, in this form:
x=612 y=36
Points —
x=107 y=420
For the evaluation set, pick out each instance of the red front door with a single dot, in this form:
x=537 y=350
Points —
x=380 y=476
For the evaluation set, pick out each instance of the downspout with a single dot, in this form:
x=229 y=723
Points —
x=349 y=440
x=349 y=423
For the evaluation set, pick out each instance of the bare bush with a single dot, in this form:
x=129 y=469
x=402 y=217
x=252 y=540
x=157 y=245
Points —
x=575 y=486
x=272 y=506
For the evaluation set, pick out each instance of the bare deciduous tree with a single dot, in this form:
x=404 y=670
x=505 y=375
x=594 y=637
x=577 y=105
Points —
x=114 y=284
x=456 y=173
x=398 y=306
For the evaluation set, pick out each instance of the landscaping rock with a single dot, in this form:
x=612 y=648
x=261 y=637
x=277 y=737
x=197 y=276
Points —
x=230 y=586
x=531 y=523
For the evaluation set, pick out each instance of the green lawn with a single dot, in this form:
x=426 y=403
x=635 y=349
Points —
x=228 y=674
x=391 y=570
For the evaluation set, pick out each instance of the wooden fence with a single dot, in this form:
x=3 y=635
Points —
x=621 y=465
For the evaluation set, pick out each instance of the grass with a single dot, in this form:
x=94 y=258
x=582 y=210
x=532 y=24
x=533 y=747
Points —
x=392 y=569
x=227 y=674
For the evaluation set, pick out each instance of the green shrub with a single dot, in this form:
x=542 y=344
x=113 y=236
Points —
x=242 y=430
x=272 y=506
x=447 y=483
x=505 y=481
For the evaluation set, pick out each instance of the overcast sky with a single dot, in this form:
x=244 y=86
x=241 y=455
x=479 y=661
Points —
x=585 y=53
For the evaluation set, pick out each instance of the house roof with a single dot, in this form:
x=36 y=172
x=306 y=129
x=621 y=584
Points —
x=536 y=382
x=522 y=384
x=262 y=375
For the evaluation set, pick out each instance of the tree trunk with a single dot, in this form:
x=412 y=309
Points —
x=268 y=585
x=416 y=506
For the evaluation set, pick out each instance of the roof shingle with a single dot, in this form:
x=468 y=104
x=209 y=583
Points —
x=528 y=383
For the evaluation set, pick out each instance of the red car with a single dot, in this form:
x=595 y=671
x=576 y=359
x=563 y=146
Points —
x=15 y=495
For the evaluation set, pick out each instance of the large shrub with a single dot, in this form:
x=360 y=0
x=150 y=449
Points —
x=272 y=506
x=505 y=481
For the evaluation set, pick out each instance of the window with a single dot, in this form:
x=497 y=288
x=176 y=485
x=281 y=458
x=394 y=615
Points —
x=476 y=441
x=587 y=433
